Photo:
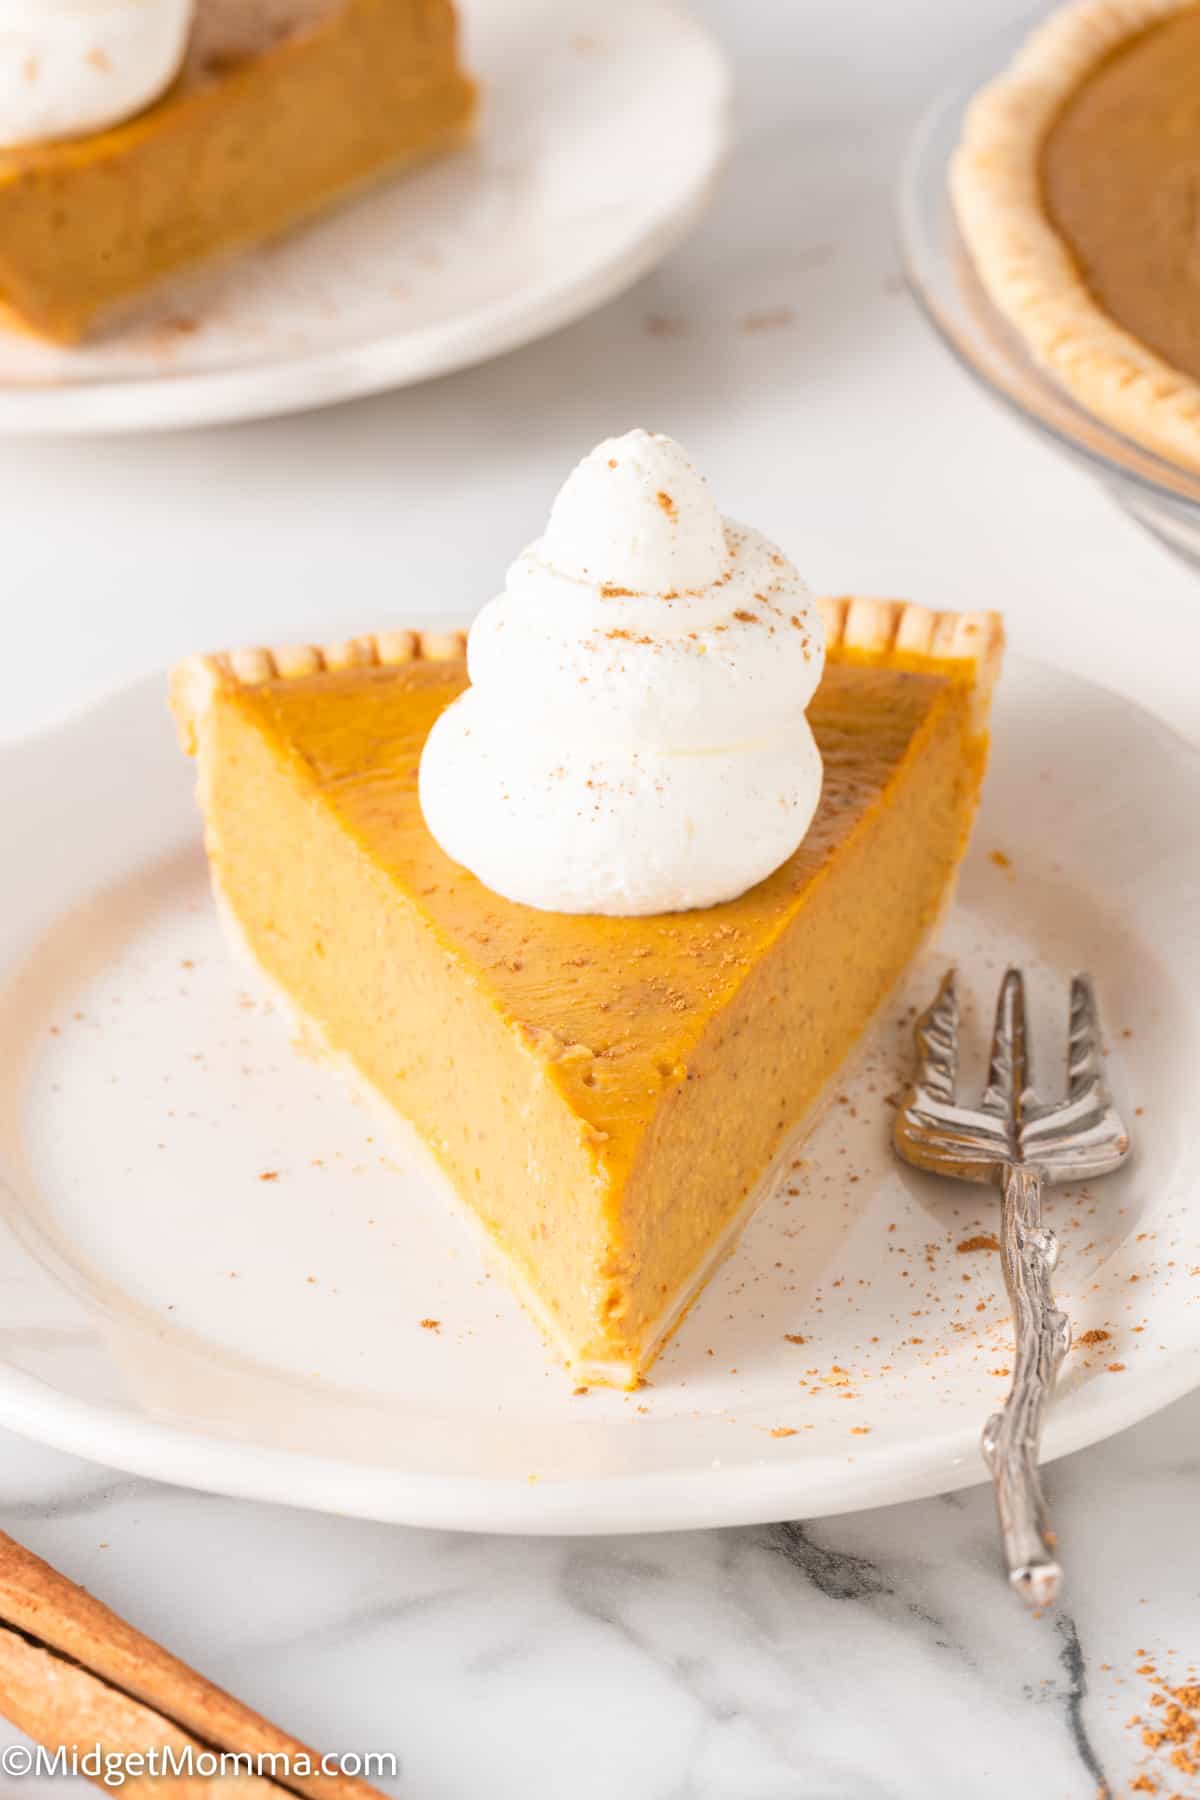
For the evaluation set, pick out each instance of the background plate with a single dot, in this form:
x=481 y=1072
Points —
x=217 y=1269
x=604 y=124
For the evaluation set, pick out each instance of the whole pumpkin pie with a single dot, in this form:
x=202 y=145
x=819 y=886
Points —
x=1075 y=188
x=609 y=1089
x=280 y=110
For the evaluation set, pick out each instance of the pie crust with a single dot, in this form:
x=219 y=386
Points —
x=1027 y=269
x=895 y=630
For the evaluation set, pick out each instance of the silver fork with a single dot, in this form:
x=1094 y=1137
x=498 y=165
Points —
x=1015 y=1139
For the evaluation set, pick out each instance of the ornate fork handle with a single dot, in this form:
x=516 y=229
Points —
x=1011 y=1133
x=1029 y=1251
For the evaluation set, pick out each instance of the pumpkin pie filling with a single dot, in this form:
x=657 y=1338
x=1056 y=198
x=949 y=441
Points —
x=606 y=1093
x=1120 y=172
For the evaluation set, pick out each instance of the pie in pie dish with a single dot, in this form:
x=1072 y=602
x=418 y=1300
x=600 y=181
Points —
x=607 y=1094
x=1075 y=190
x=281 y=109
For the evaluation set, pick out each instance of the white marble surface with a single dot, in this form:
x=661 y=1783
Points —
x=873 y=1656
x=877 y=1657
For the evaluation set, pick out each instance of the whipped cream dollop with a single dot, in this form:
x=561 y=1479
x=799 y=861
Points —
x=634 y=738
x=73 y=66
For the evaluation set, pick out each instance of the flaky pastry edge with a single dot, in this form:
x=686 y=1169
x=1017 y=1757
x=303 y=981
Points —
x=880 y=631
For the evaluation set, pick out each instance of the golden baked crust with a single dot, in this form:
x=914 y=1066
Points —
x=196 y=680
x=900 y=631
x=1024 y=265
x=878 y=630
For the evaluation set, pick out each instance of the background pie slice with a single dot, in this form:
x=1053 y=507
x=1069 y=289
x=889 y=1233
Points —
x=283 y=108
x=607 y=1094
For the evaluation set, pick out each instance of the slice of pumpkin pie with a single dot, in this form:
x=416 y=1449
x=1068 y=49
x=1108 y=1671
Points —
x=147 y=136
x=603 y=915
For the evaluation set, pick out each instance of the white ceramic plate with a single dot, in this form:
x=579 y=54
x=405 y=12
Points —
x=603 y=127
x=168 y=1309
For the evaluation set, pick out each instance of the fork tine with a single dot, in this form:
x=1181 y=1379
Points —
x=1009 y=1075
x=936 y=1033
x=1084 y=1135
x=1084 y=1067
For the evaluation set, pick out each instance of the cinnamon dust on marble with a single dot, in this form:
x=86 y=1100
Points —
x=1169 y=1728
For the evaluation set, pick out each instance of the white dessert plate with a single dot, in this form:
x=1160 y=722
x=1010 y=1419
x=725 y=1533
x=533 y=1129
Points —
x=217 y=1269
x=603 y=127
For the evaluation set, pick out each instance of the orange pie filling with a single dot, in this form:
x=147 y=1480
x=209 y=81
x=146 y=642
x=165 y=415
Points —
x=1119 y=181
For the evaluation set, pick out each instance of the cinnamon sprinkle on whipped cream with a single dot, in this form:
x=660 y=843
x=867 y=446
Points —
x=634 y=738
x=72 y=67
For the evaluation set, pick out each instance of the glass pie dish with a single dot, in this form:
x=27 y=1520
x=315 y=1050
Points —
x=1161 y=496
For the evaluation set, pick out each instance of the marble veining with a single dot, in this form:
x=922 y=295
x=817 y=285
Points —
x=877 y=1656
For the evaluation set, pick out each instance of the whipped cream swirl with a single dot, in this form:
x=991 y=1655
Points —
x=634 y=738
x=68 y=67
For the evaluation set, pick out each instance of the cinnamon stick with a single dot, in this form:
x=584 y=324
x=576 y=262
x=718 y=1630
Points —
x=75 y=1674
